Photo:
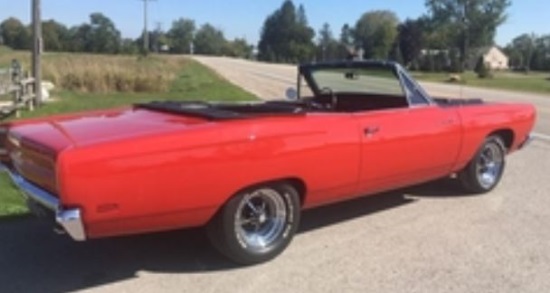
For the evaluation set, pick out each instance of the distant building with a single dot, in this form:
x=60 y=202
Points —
x=493 y=57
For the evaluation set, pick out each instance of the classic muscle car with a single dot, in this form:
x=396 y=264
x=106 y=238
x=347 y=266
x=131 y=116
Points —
x=246 y=171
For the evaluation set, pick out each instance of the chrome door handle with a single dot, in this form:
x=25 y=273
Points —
x=371 y=130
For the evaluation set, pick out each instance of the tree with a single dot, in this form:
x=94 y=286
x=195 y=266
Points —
x=347 y=46
x=15 y=35
x=376 y=32
x=346 y=36
x=529 y=51
x=410 y=41
x=328 y=48
x=541 y=57
x=301 y=15
x=209 y=40
x=159 y=39
x=285 y=36
x=482 y=70
x=105 y=36
x=98 y=36
x=238 y=48
x=180 y=36
x=525 y=46
x=55 y=35
x=468 y=23
x=81 y=39
x=129 y=46
x=395 y=54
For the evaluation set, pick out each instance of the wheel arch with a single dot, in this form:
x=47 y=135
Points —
x=296 y=182
x=507 y=135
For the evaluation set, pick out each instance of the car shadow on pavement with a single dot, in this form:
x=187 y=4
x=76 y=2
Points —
x=34 y=259
x=445 y=187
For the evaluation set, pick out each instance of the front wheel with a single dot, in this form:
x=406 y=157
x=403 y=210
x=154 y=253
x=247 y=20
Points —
x=256 y=225
x=485 y=170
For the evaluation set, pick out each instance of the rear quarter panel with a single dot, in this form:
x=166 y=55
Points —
x=480 y=121
x=180 y=180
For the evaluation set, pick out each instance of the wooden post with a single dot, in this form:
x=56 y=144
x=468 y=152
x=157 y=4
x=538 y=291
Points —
x=17 y=99
x=37 y=51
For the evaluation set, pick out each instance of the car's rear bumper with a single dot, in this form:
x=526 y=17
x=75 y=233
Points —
x=69 y=219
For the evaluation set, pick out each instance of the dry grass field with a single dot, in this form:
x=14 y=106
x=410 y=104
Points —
x=88 y=73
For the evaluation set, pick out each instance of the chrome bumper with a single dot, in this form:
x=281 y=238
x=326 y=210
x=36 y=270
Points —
x=69 y=219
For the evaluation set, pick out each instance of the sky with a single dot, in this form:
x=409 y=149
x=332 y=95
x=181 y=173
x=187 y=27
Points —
x=244 y=18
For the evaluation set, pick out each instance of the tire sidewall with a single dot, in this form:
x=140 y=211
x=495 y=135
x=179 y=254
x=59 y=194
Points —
x=236 y=249
x=471 y=180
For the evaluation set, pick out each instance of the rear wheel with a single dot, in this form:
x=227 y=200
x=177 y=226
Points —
x=257 y=224
x=484 y=171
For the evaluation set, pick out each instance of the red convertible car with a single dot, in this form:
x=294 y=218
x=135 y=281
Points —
x=246 y=171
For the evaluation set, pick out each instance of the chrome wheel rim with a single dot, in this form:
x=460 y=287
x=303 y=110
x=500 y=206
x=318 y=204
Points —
x=260 y=219
x=489 y=165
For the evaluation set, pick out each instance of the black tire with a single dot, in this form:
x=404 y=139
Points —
x=484 y=171
x=269 y=212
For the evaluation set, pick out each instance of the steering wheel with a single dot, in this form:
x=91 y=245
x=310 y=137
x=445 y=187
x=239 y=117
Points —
x=333 y=97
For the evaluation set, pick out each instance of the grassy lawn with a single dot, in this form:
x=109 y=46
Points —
x=188 y=81
x=536 y=82
x=11 y=203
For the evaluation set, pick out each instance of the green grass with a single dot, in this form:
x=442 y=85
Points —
x=535 y=82
x=11 y=202
x=193 y=82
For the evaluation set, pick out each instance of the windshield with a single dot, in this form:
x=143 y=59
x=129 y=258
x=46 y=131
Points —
x=376 y=80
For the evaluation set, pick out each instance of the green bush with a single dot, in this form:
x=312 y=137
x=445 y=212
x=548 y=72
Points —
x=482 y=70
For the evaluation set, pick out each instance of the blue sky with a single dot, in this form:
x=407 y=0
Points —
x=244 y=18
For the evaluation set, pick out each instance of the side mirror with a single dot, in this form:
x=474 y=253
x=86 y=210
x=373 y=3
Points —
x=291 y=94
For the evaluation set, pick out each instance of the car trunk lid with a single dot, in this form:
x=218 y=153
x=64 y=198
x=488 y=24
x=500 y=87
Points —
x=88 y=129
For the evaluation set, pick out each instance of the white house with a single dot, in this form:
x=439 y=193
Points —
x=494 y=58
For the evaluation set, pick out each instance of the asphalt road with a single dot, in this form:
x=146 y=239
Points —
x=430 y=238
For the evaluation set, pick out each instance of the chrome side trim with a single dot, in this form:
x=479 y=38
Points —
x=70 y=219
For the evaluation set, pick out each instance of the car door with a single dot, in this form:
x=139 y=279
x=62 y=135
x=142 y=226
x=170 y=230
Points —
x=405 y=146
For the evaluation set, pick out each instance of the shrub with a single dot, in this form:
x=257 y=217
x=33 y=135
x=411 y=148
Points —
x=482 y=70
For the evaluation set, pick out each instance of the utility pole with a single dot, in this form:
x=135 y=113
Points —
x=145 y=25
x=466 y=36
x=37 y=51
x=157 y=36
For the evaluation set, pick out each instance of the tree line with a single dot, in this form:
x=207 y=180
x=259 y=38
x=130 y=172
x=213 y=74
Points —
x=442 y=39
x=529 y=52
x=100 y=35
x=447 y=37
